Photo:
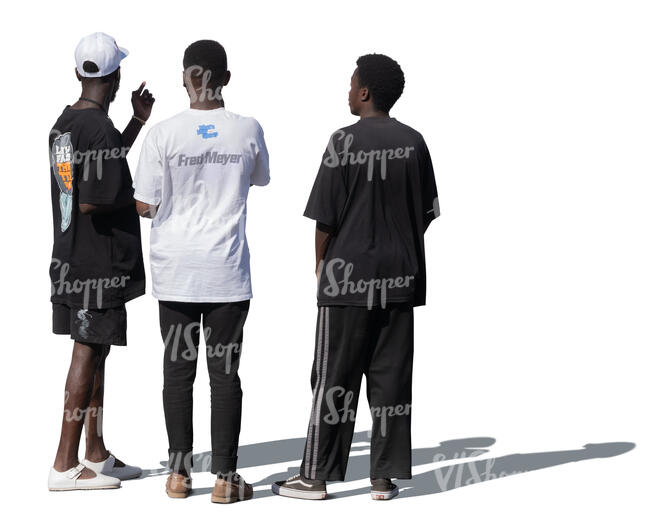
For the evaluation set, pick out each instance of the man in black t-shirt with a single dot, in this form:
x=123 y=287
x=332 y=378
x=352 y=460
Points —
x=96 y=262
x=374 y=197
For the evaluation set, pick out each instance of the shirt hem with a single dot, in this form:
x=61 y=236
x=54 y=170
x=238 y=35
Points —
x=318 y=218
x=146 y=199
x=96 y=201
x=202 y=299
x=350 y=303
x=136 y=293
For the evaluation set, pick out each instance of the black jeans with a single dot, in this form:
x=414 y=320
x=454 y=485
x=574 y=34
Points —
x=351 y=342
x=223 y=328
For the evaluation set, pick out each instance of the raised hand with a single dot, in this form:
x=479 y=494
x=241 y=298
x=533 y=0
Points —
x=142 y=101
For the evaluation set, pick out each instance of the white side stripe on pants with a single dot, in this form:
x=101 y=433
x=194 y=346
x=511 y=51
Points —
x=319 y=332
x=319 y=399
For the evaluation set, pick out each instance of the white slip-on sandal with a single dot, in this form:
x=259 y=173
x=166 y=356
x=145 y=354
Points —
x=69 y=480
x=108 y=467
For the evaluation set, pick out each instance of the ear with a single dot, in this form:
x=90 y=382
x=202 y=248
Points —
x=189 y=82
x=226 y=78
x=365 y=94
x=77 y=74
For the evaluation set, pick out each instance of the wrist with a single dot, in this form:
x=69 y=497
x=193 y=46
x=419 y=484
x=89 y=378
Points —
x=139 y=119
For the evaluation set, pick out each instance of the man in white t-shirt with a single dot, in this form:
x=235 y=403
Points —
x=193 y=178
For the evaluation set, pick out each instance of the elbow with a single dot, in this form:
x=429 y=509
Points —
x=145 y=209
x=86 y=209
x=261 y=182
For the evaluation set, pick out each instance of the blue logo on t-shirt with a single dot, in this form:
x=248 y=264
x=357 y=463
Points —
x=204 y=132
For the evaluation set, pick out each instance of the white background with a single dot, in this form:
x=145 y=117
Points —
x=537 y=116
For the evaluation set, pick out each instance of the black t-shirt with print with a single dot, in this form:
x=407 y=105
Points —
x=96 y=258
x=376 y=192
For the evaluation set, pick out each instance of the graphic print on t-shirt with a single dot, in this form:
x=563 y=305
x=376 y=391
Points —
x=61 y=158
x=205 y=131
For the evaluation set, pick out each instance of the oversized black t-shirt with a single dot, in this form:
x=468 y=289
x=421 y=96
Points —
x=376 y=193
x=96 y=258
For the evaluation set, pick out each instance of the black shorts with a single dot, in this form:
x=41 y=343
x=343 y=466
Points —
x=98 y=326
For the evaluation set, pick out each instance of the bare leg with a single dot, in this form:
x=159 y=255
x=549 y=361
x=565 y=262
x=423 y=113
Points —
x=78 y=390
x=95 y=448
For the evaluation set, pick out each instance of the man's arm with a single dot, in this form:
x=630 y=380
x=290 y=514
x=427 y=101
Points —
x=106 y=199
x=431 y=207
x=131 y=132
x=142 y=101
x=323 y=237
x=260 y=175
x=88 y=209
x=145 y=209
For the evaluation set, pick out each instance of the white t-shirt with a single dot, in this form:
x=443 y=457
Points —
x=197 y=167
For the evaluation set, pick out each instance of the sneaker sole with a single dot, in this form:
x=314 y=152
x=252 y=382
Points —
x=384 y=495
x=228 y=500
x=84 y=489
x=130 y=477
x=298 y=493
x=177 y=494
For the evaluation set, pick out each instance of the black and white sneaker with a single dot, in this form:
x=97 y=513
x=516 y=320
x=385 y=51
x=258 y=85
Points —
x=300 y=488
x=383 y=489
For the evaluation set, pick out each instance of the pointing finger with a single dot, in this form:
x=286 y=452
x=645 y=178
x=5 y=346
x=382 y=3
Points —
x=139 y=90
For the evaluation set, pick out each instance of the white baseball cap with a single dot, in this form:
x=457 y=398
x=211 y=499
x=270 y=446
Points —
x=102 y=50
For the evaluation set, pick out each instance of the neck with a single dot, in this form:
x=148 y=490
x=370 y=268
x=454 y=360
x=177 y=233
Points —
x=206 y=104
x=372 y=112
x=99 y=94
x=204 y=97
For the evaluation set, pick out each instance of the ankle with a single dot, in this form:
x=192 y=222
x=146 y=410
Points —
x=312 y=481
x=97 y=455
x=66 y=464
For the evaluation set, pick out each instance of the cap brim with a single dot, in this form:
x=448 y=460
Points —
x=123 y=52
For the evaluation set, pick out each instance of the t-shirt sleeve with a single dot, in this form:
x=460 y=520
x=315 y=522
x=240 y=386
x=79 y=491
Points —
x=329 y=193
x=261 y=174
x=104 y=173
x=431 y=207
x=149 y=174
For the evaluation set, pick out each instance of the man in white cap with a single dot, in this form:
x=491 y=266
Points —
x=96 y=258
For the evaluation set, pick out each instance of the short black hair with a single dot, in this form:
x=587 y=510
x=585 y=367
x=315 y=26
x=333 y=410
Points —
x=209 y=55
x=383 y=77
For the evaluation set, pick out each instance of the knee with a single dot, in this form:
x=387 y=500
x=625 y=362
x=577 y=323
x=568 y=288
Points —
x=86 y=359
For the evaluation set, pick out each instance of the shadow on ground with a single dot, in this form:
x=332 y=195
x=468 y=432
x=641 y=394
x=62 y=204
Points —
x=465 y=471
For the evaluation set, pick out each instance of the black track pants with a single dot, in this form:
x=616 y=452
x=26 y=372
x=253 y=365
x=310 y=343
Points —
x=351 y=342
